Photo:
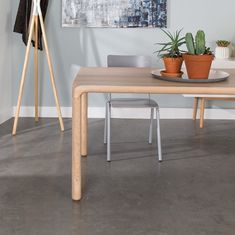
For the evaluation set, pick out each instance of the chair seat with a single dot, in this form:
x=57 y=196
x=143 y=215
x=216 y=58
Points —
x=133 y=103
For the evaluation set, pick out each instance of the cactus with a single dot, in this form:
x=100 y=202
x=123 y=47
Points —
x=197 y=47
x=200 y=42
x=190 y=43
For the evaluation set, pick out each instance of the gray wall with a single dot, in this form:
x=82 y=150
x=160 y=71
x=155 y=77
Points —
x=5 y=61
x=89 y=47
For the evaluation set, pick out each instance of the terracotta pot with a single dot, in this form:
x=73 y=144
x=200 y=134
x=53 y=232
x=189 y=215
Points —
x=198 y=66
x=173 y=65
x=171 y=75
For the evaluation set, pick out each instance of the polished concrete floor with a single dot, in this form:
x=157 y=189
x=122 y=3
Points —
x=191 y=193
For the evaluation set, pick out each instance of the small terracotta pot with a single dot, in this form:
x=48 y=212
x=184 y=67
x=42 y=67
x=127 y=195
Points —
x=173 y=65
x=171 y=75
x=198 y=66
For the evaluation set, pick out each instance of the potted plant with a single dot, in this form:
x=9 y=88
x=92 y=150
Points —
x=222 y=49
x=172 y=54
x=198 y=59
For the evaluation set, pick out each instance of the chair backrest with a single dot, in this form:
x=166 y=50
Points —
x=129 y=61
x=138 y=61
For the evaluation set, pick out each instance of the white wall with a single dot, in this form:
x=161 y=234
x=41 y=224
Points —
x=5 y=60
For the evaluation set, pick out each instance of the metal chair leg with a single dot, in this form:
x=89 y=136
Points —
x=105 y=124
x=151 y=126
x=159 y=146
x=108 y=106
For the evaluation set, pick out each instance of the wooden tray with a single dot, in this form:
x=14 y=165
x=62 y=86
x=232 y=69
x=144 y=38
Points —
x=214 y=76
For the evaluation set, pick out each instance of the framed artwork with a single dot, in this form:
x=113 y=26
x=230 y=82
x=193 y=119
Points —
x=114 y=13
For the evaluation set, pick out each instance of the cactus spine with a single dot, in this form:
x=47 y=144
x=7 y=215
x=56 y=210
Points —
x=197 y=47
x=200 y=42
x=190 y=43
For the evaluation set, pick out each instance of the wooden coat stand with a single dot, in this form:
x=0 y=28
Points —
x=33 y=29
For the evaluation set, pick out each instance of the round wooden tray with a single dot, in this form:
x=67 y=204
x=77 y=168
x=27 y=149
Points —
x=214 y=76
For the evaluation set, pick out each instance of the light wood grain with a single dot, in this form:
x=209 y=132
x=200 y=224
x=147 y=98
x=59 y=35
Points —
x=34 y=24
x=125 y=80
x=195 y=107
x=52 y=77
x=139 y=80
x=220 y=98
x=202 y=112
x=23 y=76
x=202 y=109
x=84 y=124
x=36 y=87
x=76 y=149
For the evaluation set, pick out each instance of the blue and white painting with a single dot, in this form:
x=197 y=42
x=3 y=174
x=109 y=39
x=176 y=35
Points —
x=114 y=13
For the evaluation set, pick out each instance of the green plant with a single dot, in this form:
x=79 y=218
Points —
x=171 y=48
x=197 y=46
x=223 y=43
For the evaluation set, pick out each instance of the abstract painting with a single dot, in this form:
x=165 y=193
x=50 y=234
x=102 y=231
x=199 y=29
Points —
x=114 y=13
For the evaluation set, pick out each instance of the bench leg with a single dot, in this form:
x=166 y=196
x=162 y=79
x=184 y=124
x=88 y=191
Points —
x=195 y=107
x=203 y=100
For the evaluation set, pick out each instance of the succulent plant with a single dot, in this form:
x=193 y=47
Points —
x=223 y=43
x=171 y=48
x=197 y=46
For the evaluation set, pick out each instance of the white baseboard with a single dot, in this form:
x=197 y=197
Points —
x=49 y=112
x=165 y=113
x=5 y=115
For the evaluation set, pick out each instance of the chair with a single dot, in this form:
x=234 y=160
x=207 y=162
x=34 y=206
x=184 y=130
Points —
x=130 y=61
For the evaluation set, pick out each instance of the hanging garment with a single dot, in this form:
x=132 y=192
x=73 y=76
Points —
x=23 y=19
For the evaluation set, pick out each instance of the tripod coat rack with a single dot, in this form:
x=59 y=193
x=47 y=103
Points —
x=33 y=29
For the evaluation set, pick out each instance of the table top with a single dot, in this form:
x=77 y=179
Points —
x=140 y=80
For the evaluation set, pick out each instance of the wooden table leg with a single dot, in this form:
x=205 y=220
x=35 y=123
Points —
x=84 y=124
x=76 y=149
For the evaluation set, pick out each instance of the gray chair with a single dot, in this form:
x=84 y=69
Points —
x=131 y=61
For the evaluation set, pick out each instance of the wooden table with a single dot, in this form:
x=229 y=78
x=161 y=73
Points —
x=123 y=80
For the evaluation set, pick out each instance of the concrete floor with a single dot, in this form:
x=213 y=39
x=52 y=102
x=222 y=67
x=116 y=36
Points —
x=191 y=193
